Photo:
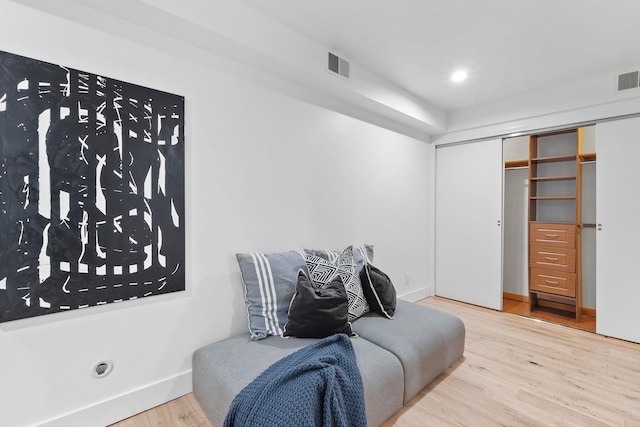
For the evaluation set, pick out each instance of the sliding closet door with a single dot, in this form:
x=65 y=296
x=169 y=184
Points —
x=468 y=218
x=618 y=235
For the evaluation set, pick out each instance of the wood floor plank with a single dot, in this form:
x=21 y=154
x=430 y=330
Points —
x=516 y=371
x=188 y=412
x=163 y=416
x=140 y=420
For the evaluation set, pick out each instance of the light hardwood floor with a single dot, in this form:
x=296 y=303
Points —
x=516 y=371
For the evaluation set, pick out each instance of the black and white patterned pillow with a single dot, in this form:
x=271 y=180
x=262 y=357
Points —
x=362 y=254
x=322 y=272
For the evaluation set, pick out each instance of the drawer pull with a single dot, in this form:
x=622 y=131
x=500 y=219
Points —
x=551 y=236
x=550 y=282
x=551 y=259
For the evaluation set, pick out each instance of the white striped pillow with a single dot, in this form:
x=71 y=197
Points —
x=269 y=282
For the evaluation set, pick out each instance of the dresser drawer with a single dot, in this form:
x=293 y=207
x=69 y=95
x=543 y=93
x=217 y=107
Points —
x=553 y=282
x=557 y=235
x=553 y=258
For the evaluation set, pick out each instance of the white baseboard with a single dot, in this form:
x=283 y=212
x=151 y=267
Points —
x=125 y=405
x=417 y=294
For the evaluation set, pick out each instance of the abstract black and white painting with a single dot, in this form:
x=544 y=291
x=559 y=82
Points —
x=91 y=189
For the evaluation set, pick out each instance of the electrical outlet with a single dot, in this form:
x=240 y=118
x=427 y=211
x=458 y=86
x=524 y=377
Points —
x=102 y=369
x=407 y=279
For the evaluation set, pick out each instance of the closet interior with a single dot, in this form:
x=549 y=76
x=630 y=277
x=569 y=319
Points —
x=549 y=226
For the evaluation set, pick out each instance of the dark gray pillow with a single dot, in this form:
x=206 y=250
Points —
x=318 y=311
x=378 y=290
x=269 y=282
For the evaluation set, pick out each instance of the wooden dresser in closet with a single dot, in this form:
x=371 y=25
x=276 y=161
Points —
x=552 y=257
x=555 y=182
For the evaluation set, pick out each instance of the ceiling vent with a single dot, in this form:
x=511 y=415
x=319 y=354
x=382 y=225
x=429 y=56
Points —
x=628 y=80
x=338 y=65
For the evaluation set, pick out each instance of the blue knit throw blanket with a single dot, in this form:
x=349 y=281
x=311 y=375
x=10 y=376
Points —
x=318 y=385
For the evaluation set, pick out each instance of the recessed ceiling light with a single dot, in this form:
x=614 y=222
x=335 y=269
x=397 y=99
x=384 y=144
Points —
x=459 y=76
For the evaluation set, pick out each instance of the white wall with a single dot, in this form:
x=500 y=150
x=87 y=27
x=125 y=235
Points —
x=263 y=172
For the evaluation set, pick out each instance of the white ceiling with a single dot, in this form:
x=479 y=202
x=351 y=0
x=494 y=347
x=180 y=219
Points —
x=509 y=47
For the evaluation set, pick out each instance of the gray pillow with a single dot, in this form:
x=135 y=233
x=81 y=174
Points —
x=269 y=282
x=323 y=271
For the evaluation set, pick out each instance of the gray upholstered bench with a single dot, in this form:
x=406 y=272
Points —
x=397 y=358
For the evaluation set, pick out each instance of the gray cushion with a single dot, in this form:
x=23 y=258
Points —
x=383 y=381
x=425 y=340
x=221 y=370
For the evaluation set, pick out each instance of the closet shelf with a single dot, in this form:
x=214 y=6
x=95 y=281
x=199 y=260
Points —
x=552 y=159
x=588 y=157
x=570 y=300
x=516 y=164
x=552 y=222
x=553 y=197
x=553 y=178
